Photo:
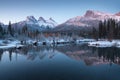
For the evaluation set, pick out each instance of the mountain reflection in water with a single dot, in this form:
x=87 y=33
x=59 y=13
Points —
x=68 y=62
x=89 y=55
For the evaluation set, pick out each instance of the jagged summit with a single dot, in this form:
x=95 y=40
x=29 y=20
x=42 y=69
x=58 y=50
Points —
x=117 y=14
x=31 y=19
x=51 y=19
x=90 y=19
x=92 y=13
x=41 y=19
x=41 y=22
x=34 y=24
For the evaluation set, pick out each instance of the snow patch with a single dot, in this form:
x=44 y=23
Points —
x=114 y=43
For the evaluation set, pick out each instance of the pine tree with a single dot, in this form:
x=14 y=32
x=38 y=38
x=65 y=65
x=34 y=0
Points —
x=109 y=29
x=100 y=28
x=10 y=31
x=1 y=31
x=95 y=33
x=24 y=30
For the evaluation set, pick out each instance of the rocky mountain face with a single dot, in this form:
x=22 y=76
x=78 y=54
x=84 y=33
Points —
x=87 y=21
x=33 y=24
x=117 y=14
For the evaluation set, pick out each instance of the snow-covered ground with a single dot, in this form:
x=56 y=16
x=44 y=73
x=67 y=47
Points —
x=5 y=44
x=105 y=43
x=90 y=42
x=84 y=40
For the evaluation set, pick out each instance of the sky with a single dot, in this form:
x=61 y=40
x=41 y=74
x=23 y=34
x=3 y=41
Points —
x=59 y=10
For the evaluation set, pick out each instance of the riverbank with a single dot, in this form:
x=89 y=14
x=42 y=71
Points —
x=13 y=43
x=105 y=43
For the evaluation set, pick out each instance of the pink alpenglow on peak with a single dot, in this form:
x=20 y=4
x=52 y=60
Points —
x=117 y=14
x=89 y=20
x=92 y=13
x=90 y=17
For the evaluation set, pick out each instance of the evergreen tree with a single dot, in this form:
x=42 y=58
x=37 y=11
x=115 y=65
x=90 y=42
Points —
x=109 y=29
x=100 y=29
x=36 y=32
x=25 y=30
x=1 y=31
x=10 y=31
x=95 y=33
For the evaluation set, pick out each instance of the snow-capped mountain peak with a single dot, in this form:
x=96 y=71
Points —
x=51 y=19
x=94 y=14
x=41 y=22
x=89 y=20
x=50 y=22
x=117 y=14
x=33 y=24
x=41 y=19
x=31 y=19
x=74 y=19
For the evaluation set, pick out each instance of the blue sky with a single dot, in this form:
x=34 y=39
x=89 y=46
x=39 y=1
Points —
x=59 y=10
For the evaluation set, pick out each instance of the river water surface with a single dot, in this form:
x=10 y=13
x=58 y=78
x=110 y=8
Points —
x=69 y=62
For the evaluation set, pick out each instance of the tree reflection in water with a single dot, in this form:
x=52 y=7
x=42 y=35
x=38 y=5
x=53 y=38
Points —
x=90 y=55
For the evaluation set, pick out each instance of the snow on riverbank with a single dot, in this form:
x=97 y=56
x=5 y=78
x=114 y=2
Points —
x=105 y=43
x=5 y=44
x=85 y=40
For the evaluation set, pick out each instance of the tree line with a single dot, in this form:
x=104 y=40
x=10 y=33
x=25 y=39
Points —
x=108 y=29
x=11 y=31
x=5 y=31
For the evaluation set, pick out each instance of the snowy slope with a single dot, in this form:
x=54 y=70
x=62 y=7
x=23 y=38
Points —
x=117 y=14
x=51 y=23
x=90 y=19
x=33 y=23
x=91 y=16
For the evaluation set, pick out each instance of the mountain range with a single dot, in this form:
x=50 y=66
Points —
x=33 y=24
x=90 y=19
x=39 y=24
